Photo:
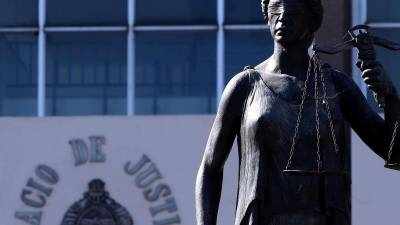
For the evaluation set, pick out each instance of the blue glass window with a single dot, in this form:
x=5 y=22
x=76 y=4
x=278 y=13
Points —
x=383 y=11
x=18 y=13
x=18 y=75
x=86 y=74
x=161 y=12
x=87 y=12
x=243 y=12
x=246 y=48
x=175 y=72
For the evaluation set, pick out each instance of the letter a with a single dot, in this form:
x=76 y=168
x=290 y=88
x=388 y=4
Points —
x=29 y=217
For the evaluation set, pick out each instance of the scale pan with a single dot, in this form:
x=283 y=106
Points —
x=314 y=172
x=393 y=166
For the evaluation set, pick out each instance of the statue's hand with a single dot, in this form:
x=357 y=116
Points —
x=377 y=80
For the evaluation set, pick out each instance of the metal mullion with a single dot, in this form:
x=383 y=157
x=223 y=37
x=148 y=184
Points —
x=130 y=89
x=220 y=51
x=111 y=28
x=31 y=66
x=364 y=13
x=246 y=27
x=359 y=12
x=41 y=93
x=175 y=27
x=19 y=29
x=385 y=25
x=86 y=29
x=104 y=87
x=220 y=65
x=56 y=83
x=17 y=78
x=119 y=28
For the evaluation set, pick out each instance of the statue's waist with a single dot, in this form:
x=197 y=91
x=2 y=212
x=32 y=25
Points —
x=298 y=218
x=282 y=193
x=309 y=217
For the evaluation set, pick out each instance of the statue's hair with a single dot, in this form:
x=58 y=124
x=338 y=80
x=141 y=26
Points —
x=315 y=8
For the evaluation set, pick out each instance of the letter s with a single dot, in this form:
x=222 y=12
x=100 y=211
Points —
x=161 y=189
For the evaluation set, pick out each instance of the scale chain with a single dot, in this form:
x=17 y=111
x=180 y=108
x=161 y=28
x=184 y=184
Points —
x=325 y=99
x=296 y=130
x=317 y=125
x=396 y=126
x=316 y=66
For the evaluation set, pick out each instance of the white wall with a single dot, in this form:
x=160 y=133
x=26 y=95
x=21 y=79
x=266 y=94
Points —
x=375 y=189
x=176 y=150
x=174 y=143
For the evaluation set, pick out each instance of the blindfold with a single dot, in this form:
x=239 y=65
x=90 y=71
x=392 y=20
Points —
x=280 y=7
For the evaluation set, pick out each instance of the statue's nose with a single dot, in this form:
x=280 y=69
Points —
x=286 y=19
x=284 y=16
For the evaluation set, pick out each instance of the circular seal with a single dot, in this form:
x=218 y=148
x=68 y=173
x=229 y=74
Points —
x=97 y=207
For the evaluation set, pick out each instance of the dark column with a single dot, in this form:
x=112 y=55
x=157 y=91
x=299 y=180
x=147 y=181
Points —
x=337 y=20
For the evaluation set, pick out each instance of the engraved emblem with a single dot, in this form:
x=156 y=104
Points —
x=97 y=208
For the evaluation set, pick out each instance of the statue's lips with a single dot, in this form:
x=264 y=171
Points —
x=282 y=31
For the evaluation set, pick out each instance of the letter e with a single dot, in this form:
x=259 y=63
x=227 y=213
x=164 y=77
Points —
x=96 y=154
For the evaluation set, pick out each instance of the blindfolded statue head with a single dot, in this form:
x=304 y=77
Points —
x=293 y=20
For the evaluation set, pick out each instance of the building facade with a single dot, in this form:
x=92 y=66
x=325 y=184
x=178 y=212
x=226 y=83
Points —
x=127 y=57
x=118 y=81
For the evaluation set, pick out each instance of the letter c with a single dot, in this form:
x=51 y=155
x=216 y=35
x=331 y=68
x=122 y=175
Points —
x=39 y=202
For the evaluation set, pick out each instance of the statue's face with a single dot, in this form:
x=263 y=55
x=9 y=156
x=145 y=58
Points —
x=288 y=20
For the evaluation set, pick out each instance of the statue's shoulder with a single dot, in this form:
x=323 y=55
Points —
x=243 y=79
x=341 y=80
x=237 y=90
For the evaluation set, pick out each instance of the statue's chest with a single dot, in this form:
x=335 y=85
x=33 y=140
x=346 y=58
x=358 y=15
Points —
x=273 y=111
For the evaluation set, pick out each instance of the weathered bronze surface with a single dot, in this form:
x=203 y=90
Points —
x=260 y=108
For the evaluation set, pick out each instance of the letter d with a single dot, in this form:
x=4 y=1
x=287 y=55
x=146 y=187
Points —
x=80 y=151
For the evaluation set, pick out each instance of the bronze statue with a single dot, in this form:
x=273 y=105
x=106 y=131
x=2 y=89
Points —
x=260 y=106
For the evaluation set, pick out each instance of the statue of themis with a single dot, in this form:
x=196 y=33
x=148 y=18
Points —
x=260 y=107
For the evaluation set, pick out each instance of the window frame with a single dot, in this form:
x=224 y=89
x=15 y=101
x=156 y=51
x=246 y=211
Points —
x=130 y=29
